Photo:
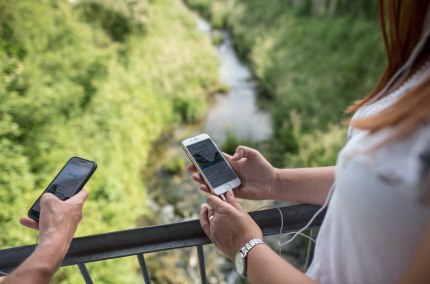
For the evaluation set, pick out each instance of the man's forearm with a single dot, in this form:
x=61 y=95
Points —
x=40 y=266
x=305 y=185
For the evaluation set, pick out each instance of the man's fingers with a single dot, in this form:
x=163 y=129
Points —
x=80 y=197
x=48 y=197
x=191 y=168
x=29 y=223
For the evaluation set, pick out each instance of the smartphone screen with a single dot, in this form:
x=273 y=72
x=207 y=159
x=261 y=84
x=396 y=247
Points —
x=69 y=181
x=211 y=162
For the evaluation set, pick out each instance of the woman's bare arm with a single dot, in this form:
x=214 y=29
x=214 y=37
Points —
x=418 y=269
x=265 y=266
x=304 y=185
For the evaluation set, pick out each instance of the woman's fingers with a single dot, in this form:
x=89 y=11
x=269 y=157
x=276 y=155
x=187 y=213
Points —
x=211 y=215
x=227 y=156
x=204 y=188
x=191 y=168
x=204 y=221
x=215 y=202
x=197 y=178
x=233 y=201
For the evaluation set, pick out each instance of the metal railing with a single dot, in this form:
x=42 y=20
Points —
x=140 y=241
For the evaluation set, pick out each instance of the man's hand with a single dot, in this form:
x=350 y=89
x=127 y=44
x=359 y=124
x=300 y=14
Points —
x=57 y=225
x=58 y=219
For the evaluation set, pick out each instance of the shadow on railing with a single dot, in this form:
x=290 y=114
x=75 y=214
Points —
x=161 y=237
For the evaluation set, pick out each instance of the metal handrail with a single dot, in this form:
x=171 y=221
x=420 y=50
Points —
x=160 y=237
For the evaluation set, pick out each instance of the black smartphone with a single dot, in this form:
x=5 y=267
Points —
x=69 y=181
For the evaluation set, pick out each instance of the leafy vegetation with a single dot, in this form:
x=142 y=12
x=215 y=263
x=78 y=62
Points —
x=101 y=80
x=311 y=58
x=105 y=79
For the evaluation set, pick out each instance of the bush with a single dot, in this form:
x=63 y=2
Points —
x=308 y=62
x=103 y=89
x=117 y=18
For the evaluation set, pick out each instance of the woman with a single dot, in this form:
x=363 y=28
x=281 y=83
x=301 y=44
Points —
x=377 y=226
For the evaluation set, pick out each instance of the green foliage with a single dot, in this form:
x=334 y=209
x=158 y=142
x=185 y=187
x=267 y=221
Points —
x=175 y=166
x=202 y=6
x=217 y=37
x=318 y=148
x=117 y=18
x=101 y=80
x=311 y=60
x=104 y=79
x=215 y=11
x=232 y=141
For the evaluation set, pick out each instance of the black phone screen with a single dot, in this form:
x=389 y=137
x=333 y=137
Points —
x=69 y=181
x=211 y=162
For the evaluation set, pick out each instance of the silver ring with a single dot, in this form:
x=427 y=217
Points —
x=211 y=217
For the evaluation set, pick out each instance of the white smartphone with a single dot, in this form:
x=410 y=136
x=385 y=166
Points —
x=211 y=164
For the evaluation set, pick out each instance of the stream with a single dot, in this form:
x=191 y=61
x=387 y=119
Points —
x=172 y=196
x=237 y=111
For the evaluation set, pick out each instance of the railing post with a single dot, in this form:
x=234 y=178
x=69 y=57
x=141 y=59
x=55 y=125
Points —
x=85 y=273
x=160 y=238
x=202 y=265
x=144 y=268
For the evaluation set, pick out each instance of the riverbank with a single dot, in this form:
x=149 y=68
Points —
x=310 y=66
x=232 y=118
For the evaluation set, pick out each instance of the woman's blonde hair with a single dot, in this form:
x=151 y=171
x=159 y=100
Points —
x=402 y=23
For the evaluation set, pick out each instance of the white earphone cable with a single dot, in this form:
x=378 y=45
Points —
x=299 y=232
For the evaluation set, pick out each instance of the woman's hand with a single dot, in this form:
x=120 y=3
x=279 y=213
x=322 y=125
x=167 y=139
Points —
x=257 y=174
x=227 y=225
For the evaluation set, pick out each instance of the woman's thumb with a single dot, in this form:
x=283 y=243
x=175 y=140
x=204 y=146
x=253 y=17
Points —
x=244 y=152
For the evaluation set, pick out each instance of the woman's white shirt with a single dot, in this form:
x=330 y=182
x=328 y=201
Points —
x=380 y=207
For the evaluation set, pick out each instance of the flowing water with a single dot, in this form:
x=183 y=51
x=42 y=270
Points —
x=237 y=111
x=172 y=196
